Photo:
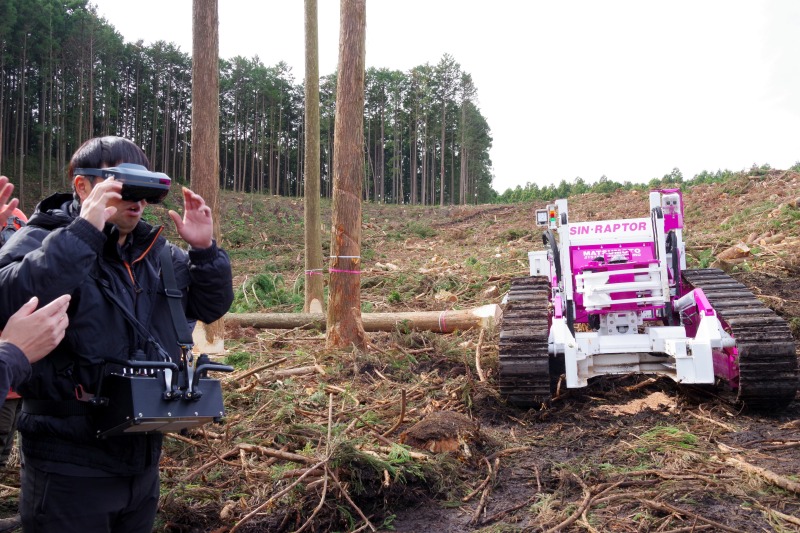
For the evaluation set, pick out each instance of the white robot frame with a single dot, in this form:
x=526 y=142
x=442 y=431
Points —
x=623 y=278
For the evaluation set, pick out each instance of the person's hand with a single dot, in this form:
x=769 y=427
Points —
x=95 y=208
x=6 y=206
x=196 y=227
x=37 y=332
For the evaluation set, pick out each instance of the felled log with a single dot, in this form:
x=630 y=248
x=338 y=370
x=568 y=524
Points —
x=439 y=321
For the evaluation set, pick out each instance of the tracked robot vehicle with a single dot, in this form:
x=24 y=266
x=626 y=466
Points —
x=615 y=297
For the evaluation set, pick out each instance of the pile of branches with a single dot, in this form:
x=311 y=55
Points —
x=314 y=441
x=311 y=439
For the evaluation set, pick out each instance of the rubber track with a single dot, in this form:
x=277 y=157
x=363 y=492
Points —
x=767 y=361
x=524 y=367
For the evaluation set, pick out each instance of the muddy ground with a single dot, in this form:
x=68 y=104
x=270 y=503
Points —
x=312 y=438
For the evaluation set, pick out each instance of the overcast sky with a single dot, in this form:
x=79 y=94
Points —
x=628 y=89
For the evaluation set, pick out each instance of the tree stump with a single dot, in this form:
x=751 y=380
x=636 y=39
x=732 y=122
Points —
x=443 y=431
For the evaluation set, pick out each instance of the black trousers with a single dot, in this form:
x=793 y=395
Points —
x=8 y=427
x=55 y=503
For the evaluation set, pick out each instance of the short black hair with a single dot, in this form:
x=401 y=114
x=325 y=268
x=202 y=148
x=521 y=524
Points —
x=108 y=151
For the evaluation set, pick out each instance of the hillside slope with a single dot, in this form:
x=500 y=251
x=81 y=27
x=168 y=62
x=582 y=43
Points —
x=411 y=253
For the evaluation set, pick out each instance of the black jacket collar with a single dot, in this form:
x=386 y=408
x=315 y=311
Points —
x=60 y=209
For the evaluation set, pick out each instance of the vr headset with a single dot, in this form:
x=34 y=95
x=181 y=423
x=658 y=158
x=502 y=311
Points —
x=138 y=183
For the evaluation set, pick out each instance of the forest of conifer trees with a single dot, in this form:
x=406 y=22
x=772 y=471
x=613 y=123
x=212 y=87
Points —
x=66 y=75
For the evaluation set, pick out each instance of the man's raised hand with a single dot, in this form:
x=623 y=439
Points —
x=95 y=208
x=196 y=227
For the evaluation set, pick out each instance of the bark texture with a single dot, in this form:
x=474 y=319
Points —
x=344 y=312
x=314 y=299
x=205 y=118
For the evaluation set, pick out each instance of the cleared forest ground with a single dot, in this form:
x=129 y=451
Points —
x=321 y=441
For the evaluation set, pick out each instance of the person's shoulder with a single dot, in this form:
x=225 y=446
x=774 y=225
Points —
x=52 y=212
x=176 y=251
x=24 y=240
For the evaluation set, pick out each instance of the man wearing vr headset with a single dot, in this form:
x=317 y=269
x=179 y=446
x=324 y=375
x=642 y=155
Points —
x=89 y=244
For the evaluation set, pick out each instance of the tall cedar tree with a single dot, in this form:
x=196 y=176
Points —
x=205 y=116
x=344 y=327
x=314 y=298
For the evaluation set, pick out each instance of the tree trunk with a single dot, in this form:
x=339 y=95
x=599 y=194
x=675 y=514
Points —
x=279 y=151
x=329 y=160
x=395 y=158
x=21 y=127
x=2 y=99
x=462 y=153
x=235 y=131
x=381 y=159
x=272 y=189
x=344 y=311
x=452 y=170
x=441 y=155
x=432 y=167
x=287 y=162
x=301 y=132
x=50 y=125
x=165 y=132
x=138 y=127
x=412 y=156
x=314 y=298
x=423 y=187
x=42 y=129
x=154 y=124
x=205 y=118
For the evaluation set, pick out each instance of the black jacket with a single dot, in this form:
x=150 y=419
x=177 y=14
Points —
x=58 y=253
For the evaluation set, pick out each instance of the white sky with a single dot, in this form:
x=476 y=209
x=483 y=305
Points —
x=629 y=89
